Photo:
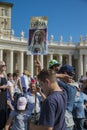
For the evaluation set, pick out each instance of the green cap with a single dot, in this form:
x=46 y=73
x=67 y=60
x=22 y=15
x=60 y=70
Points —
x=53 y=63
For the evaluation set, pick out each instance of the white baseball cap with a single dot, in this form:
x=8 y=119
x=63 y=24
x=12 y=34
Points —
x=21 y=103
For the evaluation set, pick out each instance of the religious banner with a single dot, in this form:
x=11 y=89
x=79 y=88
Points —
x=37 y=43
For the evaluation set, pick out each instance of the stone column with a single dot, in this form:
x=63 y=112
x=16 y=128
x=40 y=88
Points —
x=8 y=62
x=21 y=62
x=1 y=54
x=80 y=65
x=60 y=59
x=31 y=65
x=41 y=59
x=28 y=62
x=11 y=61
x=48 y=59
x=70 y=59
x=85 y=65
x=51 y=56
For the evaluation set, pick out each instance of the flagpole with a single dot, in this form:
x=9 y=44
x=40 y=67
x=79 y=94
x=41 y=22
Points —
x=36 y=70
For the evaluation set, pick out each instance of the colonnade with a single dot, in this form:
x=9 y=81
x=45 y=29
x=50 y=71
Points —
x=20 y=60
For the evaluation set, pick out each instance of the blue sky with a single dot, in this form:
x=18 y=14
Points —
x=65 y=17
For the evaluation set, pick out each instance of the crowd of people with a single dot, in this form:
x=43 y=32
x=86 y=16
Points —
x=51 y=100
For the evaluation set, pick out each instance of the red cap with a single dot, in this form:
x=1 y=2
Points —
x=33 y=81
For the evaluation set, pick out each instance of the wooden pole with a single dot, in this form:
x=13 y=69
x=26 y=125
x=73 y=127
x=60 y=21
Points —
x=36 y=67
x=36 y=70
x=35 y=110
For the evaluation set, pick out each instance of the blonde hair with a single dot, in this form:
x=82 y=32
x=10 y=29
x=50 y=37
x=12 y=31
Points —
x=3 y=72
x=1 y=63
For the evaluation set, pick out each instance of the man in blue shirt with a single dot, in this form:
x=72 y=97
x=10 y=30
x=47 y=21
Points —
x=71 y=92
x=52 y=115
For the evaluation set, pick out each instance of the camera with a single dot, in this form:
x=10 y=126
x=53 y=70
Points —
x=38 y=84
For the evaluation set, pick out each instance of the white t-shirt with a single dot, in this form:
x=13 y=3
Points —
x=25 y=81
x=31 y=102
x=11 y=84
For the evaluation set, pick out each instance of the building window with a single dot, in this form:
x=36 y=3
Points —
x=4 y=12
x=4 y=23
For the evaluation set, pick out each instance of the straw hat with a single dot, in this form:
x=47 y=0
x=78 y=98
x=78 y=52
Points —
x=26 y=72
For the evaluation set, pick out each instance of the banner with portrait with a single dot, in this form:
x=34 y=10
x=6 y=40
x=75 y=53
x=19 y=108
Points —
x=38 y=36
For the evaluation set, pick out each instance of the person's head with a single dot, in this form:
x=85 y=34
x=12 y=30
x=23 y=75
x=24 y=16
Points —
x=2 y=66
x=33 y=87
x=18 y=72
x=10 y=76
x=15 y=76
x=26 y=72
x=21 y=103
x=47 y=78
x=84 y=81
x=54 y=65
x=67 y=69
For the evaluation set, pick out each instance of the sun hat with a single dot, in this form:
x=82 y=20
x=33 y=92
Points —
x=26 y=72
x=53 y=63
x=21 y=103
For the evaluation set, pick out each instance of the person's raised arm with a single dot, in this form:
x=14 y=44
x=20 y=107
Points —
x=38 y=66
x=64 y=77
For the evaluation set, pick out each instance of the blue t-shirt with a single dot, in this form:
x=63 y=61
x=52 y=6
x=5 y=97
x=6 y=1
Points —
x=71 y=92
x=53 y=111
x=78 y=110
x=20 y=120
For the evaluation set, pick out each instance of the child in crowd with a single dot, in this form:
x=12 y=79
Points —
x=19 y=118
x=17 y=82
x=11 y=84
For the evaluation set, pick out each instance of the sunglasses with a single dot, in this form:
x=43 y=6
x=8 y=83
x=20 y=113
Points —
x=3 y=66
